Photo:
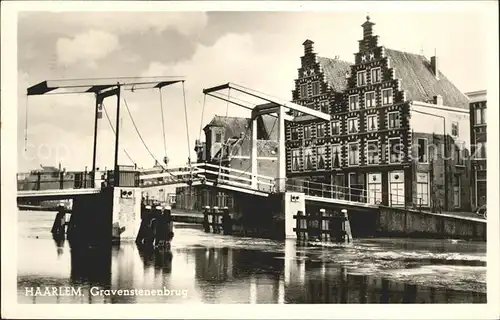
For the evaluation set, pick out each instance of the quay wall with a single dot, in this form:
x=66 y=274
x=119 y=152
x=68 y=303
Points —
x=413 y=223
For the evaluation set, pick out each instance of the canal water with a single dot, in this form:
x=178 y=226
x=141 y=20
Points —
x=207 y=268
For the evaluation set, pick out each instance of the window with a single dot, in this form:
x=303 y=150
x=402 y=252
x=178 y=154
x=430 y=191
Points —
x=456 y=191
x=376 y=75
x=218 y=137
x=352 y=125
x=321 y=151
x=396 y=188
x=361 y=78
x=353 y=154
x=303 y=91
x=372 y=151
x=324 y=106
x=394 y=150
x=335 y=128
x=374 y=188
x=370 y=99
x=295 y=159
x=480 y=116
x=336 y=155
x=371 y=123
x=307 y=132
x=295 y=133
x=423 y=150
x=308 y=158
x=454 y=129
x=386 y=96
x=480 y=152
x=393 y=121
x=422 y=189
x=320 y=130
x=353 y=102
x=315 y=88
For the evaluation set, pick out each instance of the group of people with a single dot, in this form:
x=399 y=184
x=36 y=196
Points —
x=156 y=226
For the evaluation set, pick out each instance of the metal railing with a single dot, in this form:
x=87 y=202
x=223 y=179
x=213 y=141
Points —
x=209 y=172
x=58 y=180
x=329 y=191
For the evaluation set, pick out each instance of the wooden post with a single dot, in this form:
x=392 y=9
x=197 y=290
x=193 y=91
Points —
x=346 y=227
x=227 y=225
x=323 y=224
x=206 y=222
x=38 y=180
x=215 y=222
x=61 y=180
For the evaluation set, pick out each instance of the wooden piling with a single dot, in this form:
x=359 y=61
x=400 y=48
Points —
x=227 y=223
x=206 y=222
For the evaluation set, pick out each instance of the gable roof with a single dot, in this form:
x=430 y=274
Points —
x=335 y=72
x=235 y=126
x=415 y=72
x=419 y=82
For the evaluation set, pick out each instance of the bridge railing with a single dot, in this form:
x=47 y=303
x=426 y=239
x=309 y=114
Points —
x=209 y=172
x=236 y=177
x=40 y=180
x=329 y=191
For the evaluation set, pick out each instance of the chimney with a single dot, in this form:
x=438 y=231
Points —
x=434 y=66
x=308 y=46
x=438 y=100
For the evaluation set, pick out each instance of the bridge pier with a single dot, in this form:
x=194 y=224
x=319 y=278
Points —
x=106 y=218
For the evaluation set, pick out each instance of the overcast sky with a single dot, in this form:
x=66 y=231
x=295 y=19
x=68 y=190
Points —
x=261 y=50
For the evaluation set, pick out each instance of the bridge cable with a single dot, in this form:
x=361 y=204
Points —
x=187 y=130
x=114 y=131
x=26 y=127
x=202 y=112
x=163 y=127
x=142 y=140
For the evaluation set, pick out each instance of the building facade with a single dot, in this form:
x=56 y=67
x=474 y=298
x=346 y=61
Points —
x=397 y=133
x=478 y=140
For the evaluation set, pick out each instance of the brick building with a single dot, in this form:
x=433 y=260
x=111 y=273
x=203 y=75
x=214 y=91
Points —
x=478 y=141
x=228 y=143
x=398 y=128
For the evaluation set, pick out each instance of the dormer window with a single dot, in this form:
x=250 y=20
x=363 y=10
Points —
x=361 y=78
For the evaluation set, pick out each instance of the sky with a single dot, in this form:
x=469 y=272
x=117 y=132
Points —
x=260 y=50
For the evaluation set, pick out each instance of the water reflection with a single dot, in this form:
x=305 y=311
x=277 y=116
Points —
x=223 y=269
